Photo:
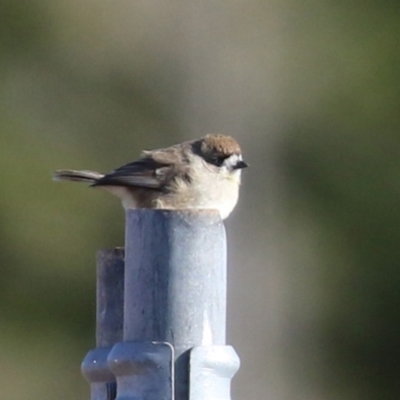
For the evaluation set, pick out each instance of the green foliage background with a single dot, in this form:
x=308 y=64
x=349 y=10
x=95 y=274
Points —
x=312 y=91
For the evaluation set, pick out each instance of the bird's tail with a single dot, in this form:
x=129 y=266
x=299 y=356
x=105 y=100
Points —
x=77 y=176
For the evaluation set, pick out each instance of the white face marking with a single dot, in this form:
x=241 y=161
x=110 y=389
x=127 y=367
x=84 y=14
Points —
x=228 y=170
x=231 y=161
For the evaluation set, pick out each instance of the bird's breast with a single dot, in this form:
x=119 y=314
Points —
x=203 y=193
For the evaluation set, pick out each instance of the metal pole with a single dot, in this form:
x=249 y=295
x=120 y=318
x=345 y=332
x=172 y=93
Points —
x=109 y=323
x=175 y=308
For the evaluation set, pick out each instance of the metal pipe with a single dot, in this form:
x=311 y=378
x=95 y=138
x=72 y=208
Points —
x=175 y=282
x=109 y=323
x=174 y=308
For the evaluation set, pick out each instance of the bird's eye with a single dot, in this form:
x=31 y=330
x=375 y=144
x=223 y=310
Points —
x=217 y=160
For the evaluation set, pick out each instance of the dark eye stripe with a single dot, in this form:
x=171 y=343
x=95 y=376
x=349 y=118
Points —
x=217 y=160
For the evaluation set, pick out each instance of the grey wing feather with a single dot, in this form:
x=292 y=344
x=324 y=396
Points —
x=138 y=173
x=146 y=173
x=154 y=170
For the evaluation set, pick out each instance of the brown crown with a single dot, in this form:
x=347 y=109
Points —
x=221 y=144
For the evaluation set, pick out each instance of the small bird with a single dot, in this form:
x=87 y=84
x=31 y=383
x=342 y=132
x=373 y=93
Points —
x=200 y=174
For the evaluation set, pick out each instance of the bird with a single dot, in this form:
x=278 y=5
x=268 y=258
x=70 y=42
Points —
x=203 y=173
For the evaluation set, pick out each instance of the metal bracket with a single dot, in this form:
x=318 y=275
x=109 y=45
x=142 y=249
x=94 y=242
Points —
x=95 y=370
x=211 y=371
x=144 y=370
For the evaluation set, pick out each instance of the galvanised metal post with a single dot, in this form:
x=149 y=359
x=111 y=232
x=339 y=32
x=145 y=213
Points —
x=109 y=323
x=174 y=309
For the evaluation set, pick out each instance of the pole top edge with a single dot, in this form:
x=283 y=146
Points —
x=188 y=213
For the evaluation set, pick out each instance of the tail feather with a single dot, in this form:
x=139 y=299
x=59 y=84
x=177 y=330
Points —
x=77 y=176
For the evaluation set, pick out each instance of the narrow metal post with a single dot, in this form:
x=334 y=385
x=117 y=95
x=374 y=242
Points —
x=175 y=302
x=109 y=323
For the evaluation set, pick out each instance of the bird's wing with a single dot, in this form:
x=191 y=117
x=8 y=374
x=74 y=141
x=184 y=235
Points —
x=154 y=170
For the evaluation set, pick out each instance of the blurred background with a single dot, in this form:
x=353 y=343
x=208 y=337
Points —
x=311 y=89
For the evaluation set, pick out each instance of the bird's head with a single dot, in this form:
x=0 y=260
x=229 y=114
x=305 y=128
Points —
x=221 y=153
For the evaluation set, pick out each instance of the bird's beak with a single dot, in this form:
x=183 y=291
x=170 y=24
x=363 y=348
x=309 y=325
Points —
x=240 y=165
